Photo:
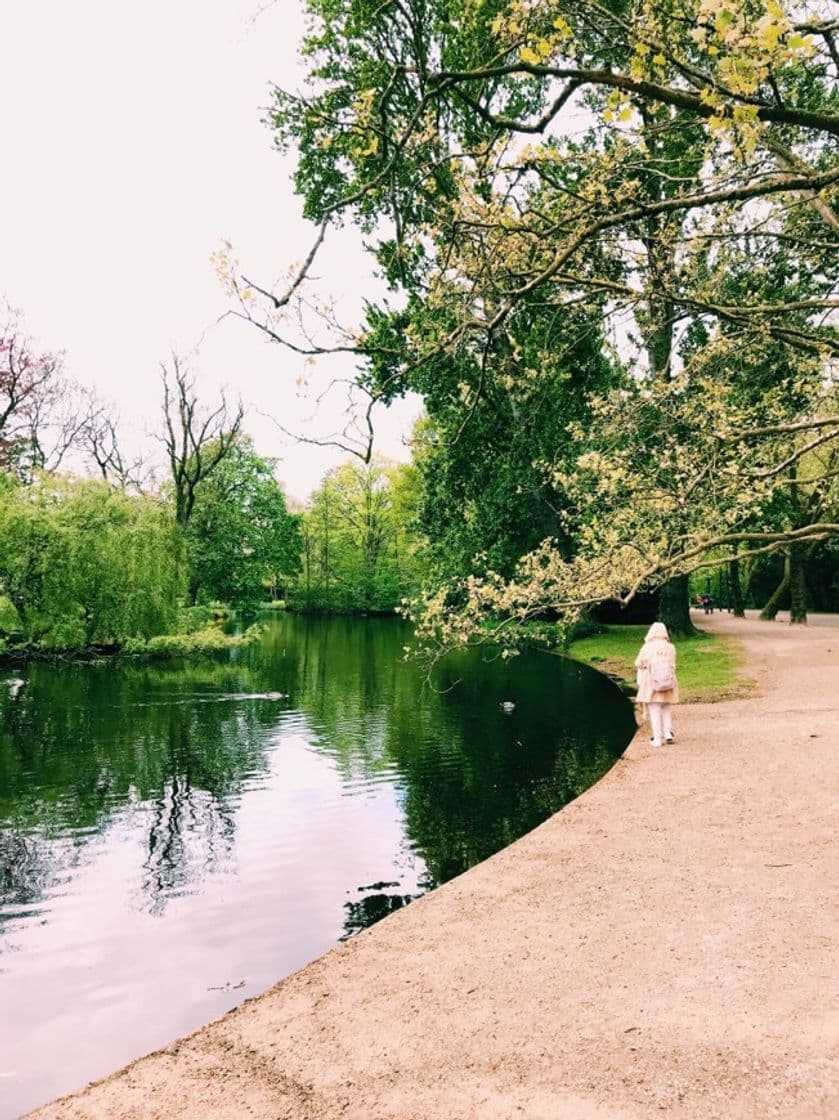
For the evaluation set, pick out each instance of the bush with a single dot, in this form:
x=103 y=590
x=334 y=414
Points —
x=199 y=643
x=585 y=628
x=193 y=619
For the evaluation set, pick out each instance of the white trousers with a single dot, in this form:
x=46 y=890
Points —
x=660 y=721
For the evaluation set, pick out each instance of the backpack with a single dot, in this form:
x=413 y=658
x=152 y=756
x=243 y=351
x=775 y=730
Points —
x=662 y=672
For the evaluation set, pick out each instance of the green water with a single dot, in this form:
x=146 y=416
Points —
x=173 y=841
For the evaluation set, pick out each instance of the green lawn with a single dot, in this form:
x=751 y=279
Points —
x=709 y=667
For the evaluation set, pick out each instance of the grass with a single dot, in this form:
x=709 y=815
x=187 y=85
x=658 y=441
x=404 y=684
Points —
x=709 y=667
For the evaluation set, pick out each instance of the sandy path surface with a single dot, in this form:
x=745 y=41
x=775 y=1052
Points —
x=664 y=946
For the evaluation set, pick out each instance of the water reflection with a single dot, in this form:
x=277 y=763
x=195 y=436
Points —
x=371 y=908
x=83 y=743
x=166 y=831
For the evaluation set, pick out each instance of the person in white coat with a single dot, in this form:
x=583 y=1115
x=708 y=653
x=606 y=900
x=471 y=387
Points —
x=658 y=687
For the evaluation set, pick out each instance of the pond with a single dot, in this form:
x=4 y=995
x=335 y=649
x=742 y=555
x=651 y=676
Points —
x=175 y=838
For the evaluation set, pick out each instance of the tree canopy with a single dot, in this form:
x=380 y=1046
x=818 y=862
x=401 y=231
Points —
x=241 y=538
x=85 y=564
x=358 y=550
x=667 y=170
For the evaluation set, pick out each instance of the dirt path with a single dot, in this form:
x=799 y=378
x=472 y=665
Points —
x=664 y=946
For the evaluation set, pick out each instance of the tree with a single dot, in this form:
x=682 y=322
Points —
x=84 y=564
x=491 y=432
x=40 y=416
x=810 y=493
x=100 y=441
x=419 y=111
x=450 y=133
x=358 y=551
x=241 y=535
x=196 y=439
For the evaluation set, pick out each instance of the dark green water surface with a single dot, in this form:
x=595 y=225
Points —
x=172 y=841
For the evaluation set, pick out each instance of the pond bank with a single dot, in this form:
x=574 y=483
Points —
x=663 y=946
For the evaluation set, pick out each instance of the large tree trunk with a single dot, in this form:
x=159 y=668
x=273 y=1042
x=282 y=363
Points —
x=737 y=604
x=773 y=604
x=747 y=572
x=798 y=556
x=674 y=606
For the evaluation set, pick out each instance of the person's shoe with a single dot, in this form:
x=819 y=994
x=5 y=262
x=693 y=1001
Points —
x=655 y=742
x=671 y=738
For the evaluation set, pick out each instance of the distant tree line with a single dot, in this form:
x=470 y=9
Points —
x=119 y=558
x=361 y=547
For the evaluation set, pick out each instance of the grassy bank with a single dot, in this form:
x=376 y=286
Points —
x=709 y=666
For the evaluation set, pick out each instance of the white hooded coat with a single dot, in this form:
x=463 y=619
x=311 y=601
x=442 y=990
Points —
x=657 y=644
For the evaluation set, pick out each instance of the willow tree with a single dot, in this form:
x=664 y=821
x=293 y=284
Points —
x=85 y=564
x=623 y=156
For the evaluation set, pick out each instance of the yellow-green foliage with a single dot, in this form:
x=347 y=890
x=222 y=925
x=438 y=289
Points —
x=8 y=616
x=196 y=644
x=689 y=216
x=84 y=564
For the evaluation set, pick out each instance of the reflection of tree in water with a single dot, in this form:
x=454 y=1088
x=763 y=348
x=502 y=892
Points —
x=25 y=876
x=471 y=779
x=190 y=835
x=175 y=746
x=371 y=909
x=345 y=674
x=493 y=778
x=84 y=744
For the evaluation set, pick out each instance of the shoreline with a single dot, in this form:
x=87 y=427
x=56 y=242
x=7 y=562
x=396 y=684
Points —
x=664 y=945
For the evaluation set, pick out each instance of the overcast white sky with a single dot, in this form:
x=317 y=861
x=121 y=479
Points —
x=132 y=146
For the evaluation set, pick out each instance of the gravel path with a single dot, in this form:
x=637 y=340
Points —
x=664 y=946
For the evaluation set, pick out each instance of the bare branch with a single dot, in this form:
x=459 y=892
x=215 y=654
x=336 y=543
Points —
x=40 y=411
x=302 y=273
x=196 y=440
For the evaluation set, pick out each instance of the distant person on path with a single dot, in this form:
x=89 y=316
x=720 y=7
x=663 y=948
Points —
x=658 y=687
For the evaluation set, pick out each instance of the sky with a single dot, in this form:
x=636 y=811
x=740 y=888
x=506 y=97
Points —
x=133 y=148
